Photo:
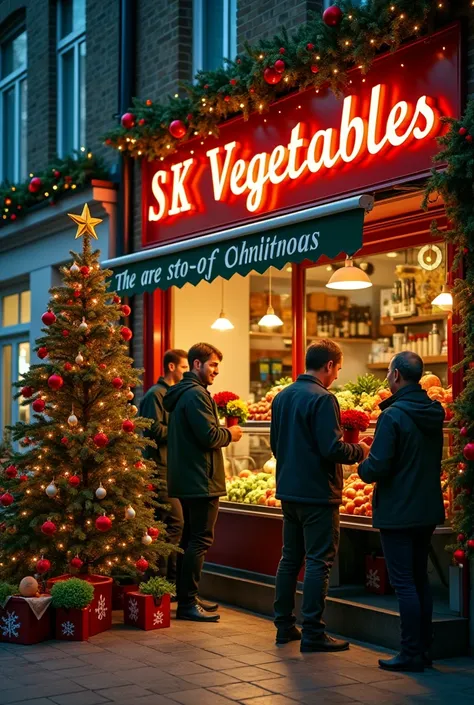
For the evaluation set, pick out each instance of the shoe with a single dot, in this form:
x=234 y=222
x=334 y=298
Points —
x=403 y=663
x=195 y=613
x=324 y=643
x=286 y=634
x=207 y=606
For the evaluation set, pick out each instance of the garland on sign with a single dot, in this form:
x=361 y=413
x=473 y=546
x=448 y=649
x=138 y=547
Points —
x=49 y=185
x=318 y=55
x=454 y=184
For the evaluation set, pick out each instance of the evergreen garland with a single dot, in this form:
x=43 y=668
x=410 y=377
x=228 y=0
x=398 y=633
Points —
x=317 y=56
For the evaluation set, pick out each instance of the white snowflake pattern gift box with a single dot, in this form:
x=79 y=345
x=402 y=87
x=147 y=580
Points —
x=376 y=575
x=100 y=609
x=146 y=612
x=25 y=620
x=72 y=624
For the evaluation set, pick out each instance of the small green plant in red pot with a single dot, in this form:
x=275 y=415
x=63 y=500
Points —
x=150 y=607
x=71 y=600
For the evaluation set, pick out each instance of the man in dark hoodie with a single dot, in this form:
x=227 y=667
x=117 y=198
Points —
x=175 y=364
x=196 y=471
x=405 y=463
x=306 y=439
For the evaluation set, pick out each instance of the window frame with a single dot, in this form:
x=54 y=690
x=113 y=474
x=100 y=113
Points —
x=14 y=80
x=229 y=32
x=74 y=40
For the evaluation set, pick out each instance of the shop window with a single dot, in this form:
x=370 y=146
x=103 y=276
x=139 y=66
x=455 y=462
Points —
x=15 y=309
x=214 y=33
x=14 y=361
x=13 y=108
x=71 y=51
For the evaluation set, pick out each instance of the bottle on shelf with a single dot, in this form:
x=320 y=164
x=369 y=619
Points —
x=425 y=345
x=352 y=323
x=435 y=341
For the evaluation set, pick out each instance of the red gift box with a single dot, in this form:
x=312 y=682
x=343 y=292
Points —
x=20 y=625
x=145 y=612
x=118 y=591
x=72 y=624
x=376 y=575
x=100 y=609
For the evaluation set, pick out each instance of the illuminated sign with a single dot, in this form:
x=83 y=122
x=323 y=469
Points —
x=310 y=147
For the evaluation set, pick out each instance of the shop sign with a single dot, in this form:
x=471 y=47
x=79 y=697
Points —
x=310 y=147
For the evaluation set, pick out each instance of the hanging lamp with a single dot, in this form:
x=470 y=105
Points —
x=349 y=277
x=444 y=300
x=222 y=323
x=270 y=319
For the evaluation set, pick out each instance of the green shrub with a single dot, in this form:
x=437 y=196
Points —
x=6 y=590
x=158 y=587
x=72 y=594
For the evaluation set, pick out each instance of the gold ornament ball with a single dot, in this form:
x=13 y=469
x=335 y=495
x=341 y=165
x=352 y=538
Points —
x=29 y=587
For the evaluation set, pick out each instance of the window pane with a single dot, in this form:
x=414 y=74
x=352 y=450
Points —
x=213 y=39
x=23 y=367
x=8 y=138
x=23 y=128
x=67 y=98
x=72 y=17
x=79 y=15
x=82 y=94
x=10 y=310
x=6 y=386
x=13 y=54
x=25 y=307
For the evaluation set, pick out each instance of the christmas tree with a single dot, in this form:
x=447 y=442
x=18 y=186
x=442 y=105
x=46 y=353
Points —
x=78 y=495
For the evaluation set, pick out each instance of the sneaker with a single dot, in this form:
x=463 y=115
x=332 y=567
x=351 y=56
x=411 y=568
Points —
x=286 y=634
x=324 y=643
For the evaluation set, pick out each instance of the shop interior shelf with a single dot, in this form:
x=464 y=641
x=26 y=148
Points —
x=410 y=320
x=281 y=336
x=436 y=360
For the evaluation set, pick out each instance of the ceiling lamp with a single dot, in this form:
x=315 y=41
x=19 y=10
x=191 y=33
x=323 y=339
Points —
x=444 y=300
x=349 y=278
x=222 y=323
x=270 y=319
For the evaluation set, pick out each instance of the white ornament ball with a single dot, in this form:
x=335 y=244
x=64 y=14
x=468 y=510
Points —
x=51 y=490
x=74 y=268
x=146 y=540
x=29 y=587
x=130 y=513
x=72 y=420
x=100 y=492
x=83 y=326
x=79 y=359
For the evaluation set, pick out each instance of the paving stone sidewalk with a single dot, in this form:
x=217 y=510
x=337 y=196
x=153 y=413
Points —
x=235 y=661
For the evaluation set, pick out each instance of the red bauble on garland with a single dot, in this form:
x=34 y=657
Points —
x=43 y=566
x=77 y=293
x=74 y=481
x=469 y=138
x=310 y=46
x=117 y=382
x=153 y=532
x=128 y=121
x=76 y=563
x=462 y=131
x=39 y=405
x=6 y=499
x=101 y=440
x=48 y=318
x=470 y=544
x=332 y=17
x=48 y=528
x=315 y=68
x=461 y=538
x=128 y=426
x=141 y=122
x=67 y=366
x=23 y=478
x=126 y=333
x=271 y=76
x=126 y=310
x=177 y=128
x=150 y=487
x=468 y=451
x=279 y=65
x=11 y=472
x=103 y=524
x=85 y=271
x=65 y=333
x=55 y=382
x=459 y=555
x=116 y=299
x=27 y=392
x=42 y=353
x=141 y=564
x=64 y=441
x=464 y=432
x=35 y=184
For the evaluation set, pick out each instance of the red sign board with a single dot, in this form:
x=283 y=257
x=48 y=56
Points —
x=310 y=147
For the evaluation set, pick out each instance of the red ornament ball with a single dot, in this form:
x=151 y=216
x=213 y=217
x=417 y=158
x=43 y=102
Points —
x=128 y=426
x=141 y=565
x=139 y=465
x=206 y=86
x=271 y=76
x=74 y=481
x=279 y=65
x=310 y=46
x=13 y=216
x=177 y=129
x=55 y=382
x=101 y=440
x=27 y=392
x=141 y=122
x=314 y=68
x=462 y=131
x=332 y=17
x=77 y=293
x=459 y=555
x=35 y=184
x=39 y=405
x=149 y=102
x=116 y=299
x=85 y=271
x=67 y=366
x=103 y=524
x=126 y=333
x=23 y=478
x=64 y=441
x=461 y=538
x=462 y=466
x=469 y=138
x=76 y=563
x=65 y=333
x=126 y=310
x=6 y=499
x=227 y=98
x=153 y=532
x=233 y=82
x=282 y=50
x=57 y=174
x=463 y=431
x=48 y=318
x=150 y=487
x=102 y=366
x=48 y=528
x=470 y=544
x=128 y=121
x=11 y=472
x=468 y=451
x=117 y=382
x=43 y=565
x=42 y=353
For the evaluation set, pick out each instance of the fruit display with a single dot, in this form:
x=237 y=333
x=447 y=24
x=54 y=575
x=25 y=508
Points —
x=433 y=387
x=262 y=410
x=252 y=488
x=356 y=497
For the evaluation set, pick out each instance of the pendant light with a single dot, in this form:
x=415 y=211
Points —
x=349 y=277
x=270 y=319
x=222 y=323
x=444 y=300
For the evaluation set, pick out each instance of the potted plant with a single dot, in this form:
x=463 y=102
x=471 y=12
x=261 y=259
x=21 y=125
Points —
x=71 y=599
x=19 y=622
x=149 y=608
x=100 y=610
x=353 y=422
x=237 y=412
x=222 y=399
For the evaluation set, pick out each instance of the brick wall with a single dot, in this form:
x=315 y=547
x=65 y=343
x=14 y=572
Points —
x=263 y=18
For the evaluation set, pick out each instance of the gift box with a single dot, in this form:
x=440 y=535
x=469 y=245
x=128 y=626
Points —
x=118 y=591
x=376 y=575
x=145 y=611
x=72 y=624
x=21 y=624
x=100 y=609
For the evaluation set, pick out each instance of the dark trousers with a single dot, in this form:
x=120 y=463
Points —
x=406 y=555
x=309 y=531
x=200 y=516
x=173 y=520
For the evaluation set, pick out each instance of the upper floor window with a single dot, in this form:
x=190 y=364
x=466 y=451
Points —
x=71 y=48
x=13 y=108
x=214 y=33
x=356 y=3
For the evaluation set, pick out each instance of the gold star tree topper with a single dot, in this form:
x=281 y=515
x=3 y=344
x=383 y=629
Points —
x=85 y=223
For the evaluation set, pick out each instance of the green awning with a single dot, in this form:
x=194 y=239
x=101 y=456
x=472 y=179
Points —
x=275 y=242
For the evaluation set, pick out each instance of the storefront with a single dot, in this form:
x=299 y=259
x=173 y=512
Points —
x=256 y=223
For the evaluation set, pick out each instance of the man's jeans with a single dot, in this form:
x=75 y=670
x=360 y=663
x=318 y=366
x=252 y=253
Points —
x=200 y=516
x=310 y=531
x=406 y=555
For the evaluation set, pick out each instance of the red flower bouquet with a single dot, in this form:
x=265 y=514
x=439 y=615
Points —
x=353 y=422
x=222 y=399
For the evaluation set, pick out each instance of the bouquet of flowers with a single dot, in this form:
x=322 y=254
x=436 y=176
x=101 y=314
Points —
x=238 y=409
x=353 y=422
x=222 y=399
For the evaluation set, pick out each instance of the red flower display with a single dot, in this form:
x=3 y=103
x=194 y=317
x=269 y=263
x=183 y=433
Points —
x=357 y=420
x=222 y=399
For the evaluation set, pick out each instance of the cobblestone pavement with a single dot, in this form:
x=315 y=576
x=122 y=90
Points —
x=235 y=661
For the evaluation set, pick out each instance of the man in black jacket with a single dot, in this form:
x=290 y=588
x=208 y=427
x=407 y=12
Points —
x=196 y=470
x=175 y=364
x=405 y=463
x=306 y=439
